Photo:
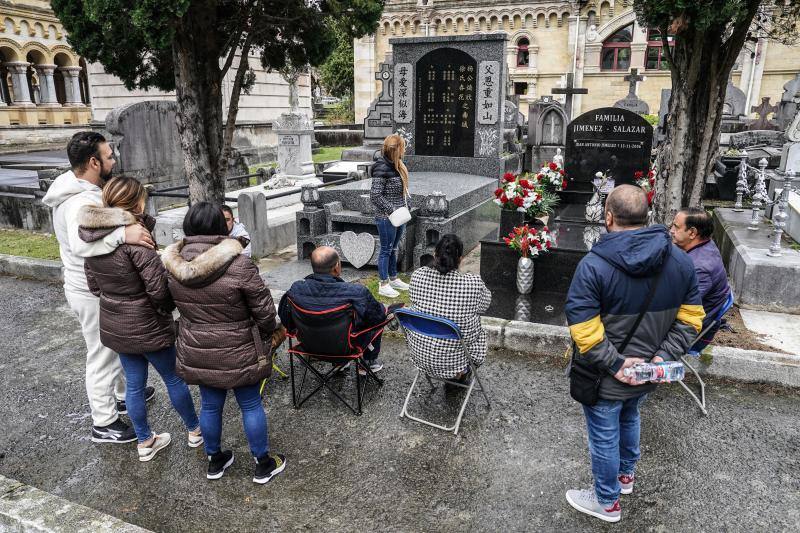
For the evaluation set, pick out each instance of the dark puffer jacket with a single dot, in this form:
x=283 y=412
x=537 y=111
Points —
x=135 y=303
x=386 y=193
x=606 y=295
x=227 y=313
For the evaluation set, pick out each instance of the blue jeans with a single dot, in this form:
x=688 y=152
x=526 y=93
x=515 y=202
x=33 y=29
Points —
x=135 y=367
x=387 y=256
x=253 y=417
x=614 y=428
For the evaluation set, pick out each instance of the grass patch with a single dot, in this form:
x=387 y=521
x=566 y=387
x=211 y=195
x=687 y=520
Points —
x=330 y=153
x=28 y=244
x=372 y=283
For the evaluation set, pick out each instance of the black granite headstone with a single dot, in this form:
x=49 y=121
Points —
x=445 y=103
x=608 y=139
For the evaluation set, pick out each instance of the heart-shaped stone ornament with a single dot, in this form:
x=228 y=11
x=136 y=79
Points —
x=357 y=249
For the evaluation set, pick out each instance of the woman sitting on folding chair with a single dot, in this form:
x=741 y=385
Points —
x=441 y=290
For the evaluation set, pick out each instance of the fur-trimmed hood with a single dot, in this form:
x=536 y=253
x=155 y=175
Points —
x=96 y=216
x=200 y=260
x=95 y=221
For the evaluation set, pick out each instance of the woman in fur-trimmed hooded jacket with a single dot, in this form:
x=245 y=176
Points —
x=225 y=332
x=135 y=310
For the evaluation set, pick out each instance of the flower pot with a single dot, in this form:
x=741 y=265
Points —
x=510 y=219
x=524 y=275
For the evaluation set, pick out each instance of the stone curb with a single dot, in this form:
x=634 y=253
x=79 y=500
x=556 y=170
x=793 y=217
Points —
x=30 y=268
x=725 y=362
x=27 y=509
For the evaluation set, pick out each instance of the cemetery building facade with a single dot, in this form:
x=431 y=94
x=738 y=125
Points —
x=598 y=41
x=47 y=91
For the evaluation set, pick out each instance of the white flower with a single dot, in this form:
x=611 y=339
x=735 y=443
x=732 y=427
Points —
x=598 y=174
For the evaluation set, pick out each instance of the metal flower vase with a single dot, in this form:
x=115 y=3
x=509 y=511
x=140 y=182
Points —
x=524 y=275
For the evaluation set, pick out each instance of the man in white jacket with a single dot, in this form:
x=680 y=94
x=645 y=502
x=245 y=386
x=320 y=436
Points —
x=92 y=159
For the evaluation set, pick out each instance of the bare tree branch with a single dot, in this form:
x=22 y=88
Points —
x=236 y=91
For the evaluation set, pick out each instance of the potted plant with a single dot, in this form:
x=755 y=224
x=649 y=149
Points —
x=513 y=198
x=529 y=242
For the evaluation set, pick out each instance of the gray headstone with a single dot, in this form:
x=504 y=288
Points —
x=252 y=208
x=633 y=104
x=147 y=144
x=790 y=158
x=454 y=111
x=378 y=122
x=663 y=111
x=789 y=102
x=735 y=101
x=509 y=115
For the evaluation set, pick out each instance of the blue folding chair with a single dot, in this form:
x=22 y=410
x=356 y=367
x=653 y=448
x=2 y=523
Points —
x=443 y=329
x=700 y=342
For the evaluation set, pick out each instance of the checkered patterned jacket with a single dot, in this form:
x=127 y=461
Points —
x=458 y=297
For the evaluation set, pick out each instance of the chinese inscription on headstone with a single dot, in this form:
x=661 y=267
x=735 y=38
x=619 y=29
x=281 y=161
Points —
x=445 y=106
x=403 y=92
x=488 y=88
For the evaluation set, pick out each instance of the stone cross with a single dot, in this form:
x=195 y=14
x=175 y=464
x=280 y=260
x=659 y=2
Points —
x=384 y=75
x=633 y=78
x=762 y=110
x=569 y=90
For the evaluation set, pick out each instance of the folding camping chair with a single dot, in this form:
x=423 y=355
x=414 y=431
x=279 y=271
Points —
x=328 y=336
x=443 y=329
x=699 y=344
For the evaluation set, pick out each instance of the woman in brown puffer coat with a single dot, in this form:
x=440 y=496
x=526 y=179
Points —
x=136 y=310
x=224 y=336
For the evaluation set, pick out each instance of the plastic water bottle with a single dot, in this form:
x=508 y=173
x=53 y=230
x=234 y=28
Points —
x=656 y=372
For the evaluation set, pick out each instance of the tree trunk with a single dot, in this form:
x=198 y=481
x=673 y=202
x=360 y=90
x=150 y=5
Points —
x=198 y=89
x=701 y=63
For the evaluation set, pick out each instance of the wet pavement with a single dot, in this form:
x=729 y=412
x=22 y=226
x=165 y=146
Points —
x=737 y=470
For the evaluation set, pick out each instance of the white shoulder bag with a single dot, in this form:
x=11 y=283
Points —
x=400 y=216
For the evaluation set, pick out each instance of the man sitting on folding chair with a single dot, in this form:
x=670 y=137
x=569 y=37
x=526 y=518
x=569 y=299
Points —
x=691 y=232
x=324 y=290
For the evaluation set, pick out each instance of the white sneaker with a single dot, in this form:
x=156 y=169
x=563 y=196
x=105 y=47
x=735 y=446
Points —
x=194 y=439
x=399 y=284
x=387 y=291
x=160 y=441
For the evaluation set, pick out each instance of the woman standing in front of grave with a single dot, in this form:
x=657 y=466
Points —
x=136 y=311
x=225 y=336
x=389 y=196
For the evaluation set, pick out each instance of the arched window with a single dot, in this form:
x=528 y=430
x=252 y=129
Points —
x=656 y=59
x=523 y=55
x=617 y=50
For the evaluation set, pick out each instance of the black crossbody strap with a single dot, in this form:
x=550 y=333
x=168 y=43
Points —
x=644 y=309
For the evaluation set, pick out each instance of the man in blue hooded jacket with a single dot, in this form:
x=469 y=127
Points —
x=607 y=293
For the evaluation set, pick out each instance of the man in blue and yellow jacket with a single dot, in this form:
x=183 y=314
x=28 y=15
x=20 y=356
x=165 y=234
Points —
x=607 y=293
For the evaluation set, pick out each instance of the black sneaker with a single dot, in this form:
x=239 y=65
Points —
x=149 y=394
x=218 y=462
x=268 y=467
x=116 y=432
